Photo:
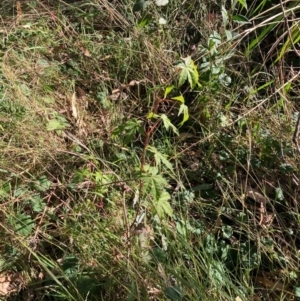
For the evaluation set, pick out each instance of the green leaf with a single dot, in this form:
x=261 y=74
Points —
x=162 y=205
x=182 y=77
x=297 y=291
x=42 y=184
x=288 y=43
x=140 y=5
x=145 y=21
x=180 y=98
x=152 y=115
x=160 y=158
x=214 y=39
x=188 y=72
x=70 y=265
x=168 y=124
x=224 y=16
x=174 y=293
x=153 y=185
x=37 y=204
x=168 y=90
x=229 y=35
x=185 y=110
x=129 y=129
x=227 y=231
x=240 y=19
x=279 y=194
x=23 y=224
x=57 y=124
x=243 y=3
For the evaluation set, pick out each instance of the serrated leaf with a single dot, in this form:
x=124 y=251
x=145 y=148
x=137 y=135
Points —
x=182 y=77
x=160 y=158
x=185 y=110
x=188 y=72
x=23 y=224
x=56 y=124
x=42 y=184
x=154 y=185
x=162 y=205
x=168 y=124
x=129 y=129
x=37 y=204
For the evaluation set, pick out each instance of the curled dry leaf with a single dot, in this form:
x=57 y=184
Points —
x=117 y=94
x=85 y=51
x=133 y=83
x=80 y=92
x=4 y=285
x=10 y=283
x=256 y=196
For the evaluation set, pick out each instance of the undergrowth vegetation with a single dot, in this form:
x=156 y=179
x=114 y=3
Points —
x=148 y=150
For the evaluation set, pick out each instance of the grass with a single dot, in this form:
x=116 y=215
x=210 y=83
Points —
x=148 y=161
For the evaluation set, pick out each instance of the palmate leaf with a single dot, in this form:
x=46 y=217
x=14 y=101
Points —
x=168 y=124
x=185 y=110
x=154 y=185
x=160 y=158
x=23 y=224
x=57 y=124
x=188 y=72
x=162 y=205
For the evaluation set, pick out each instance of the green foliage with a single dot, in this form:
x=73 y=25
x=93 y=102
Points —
x=57 y=124
x=128 y=130
x=160 y=158
x=22 y=224
x=188 y=72
x=179 y=181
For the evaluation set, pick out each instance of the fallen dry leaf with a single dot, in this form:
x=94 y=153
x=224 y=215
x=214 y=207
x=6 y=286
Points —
x=80 y=92
x=4 y=285
x=133 y=83
x=73 y=106
x=9 y=282
x=85 y=51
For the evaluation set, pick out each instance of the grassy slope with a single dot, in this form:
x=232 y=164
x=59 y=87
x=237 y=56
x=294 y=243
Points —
x=87 y=213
